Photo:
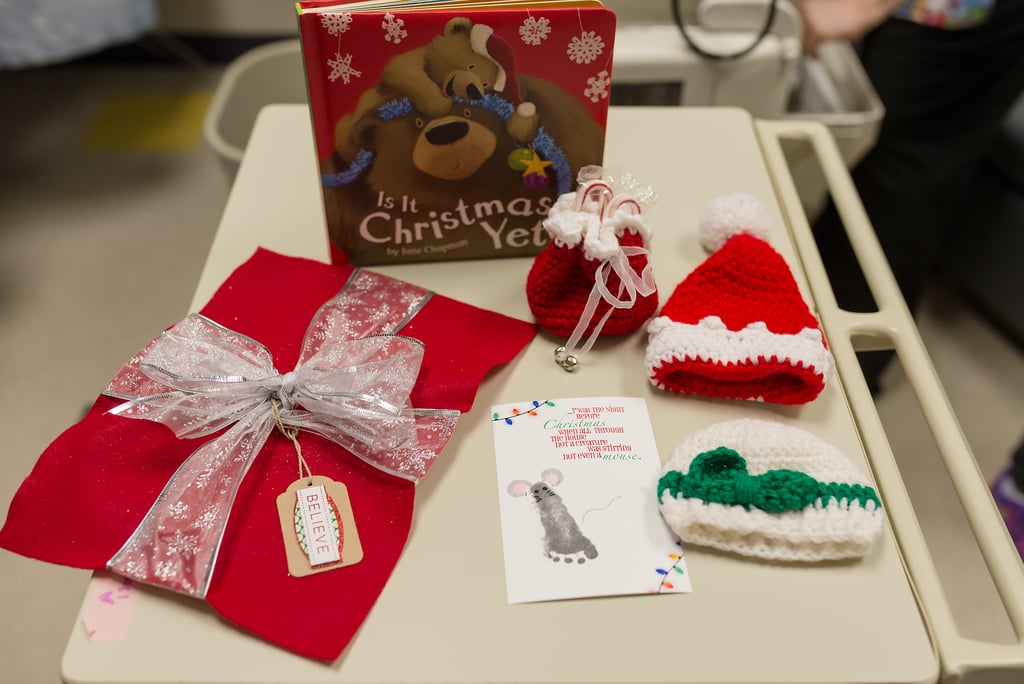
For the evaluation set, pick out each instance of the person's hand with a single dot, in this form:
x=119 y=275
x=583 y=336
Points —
x=826 y=20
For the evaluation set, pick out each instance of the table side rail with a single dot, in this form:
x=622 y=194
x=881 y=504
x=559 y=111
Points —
x=962 y=660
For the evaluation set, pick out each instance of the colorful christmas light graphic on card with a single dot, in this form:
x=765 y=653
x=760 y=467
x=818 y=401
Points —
x=576 y=490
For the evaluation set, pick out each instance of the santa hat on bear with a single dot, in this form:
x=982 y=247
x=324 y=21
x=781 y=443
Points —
x=485 y=43
x=737 y=327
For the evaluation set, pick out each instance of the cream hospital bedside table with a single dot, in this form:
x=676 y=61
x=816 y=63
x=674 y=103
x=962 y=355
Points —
x=443 y=616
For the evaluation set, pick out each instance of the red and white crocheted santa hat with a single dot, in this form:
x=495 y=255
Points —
x=737 y=327
x=485 y=43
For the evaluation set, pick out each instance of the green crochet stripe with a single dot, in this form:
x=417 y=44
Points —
x=720 y=476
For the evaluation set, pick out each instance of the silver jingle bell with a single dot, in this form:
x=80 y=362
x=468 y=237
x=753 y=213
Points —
x=567 y=361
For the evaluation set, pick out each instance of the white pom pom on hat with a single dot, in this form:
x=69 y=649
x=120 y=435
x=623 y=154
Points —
x=733 y=214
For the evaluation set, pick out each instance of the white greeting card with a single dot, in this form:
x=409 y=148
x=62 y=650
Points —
x=577 y=483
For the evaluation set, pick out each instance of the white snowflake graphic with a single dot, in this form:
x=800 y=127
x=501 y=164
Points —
x=202 y=479
x=208 y=517
x=585 y=48
x=341 y=67
x=597 y=86
x=336 y=23
x=534 y=30
x=393 y=31
x=165 y=570
x=183 y=544
x=178 y=509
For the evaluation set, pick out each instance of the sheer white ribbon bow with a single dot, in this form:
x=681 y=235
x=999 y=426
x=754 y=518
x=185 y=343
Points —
x=199 y=378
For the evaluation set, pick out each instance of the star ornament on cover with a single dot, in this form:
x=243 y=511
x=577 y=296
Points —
x=351 y=385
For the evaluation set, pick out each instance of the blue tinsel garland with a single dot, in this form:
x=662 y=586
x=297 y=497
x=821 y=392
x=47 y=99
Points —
x=393 y=109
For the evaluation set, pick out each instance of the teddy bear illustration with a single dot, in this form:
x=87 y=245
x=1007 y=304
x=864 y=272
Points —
x=439 y=129
x=466 y=61
x=460 y=67
x=454 y=64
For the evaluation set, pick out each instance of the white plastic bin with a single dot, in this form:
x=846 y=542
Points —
x=269 y=74
x=833 y=90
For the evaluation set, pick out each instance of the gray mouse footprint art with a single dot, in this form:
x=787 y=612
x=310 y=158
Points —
x=563 y=540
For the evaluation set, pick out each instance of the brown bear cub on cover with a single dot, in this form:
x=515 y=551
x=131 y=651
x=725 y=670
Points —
x=427 y=152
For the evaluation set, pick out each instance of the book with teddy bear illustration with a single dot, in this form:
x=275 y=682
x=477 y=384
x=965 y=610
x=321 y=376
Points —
x=446 y=130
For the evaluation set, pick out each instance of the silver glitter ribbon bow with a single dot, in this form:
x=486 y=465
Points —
x=351 y=385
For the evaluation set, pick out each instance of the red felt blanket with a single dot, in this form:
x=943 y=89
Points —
x=92 y=486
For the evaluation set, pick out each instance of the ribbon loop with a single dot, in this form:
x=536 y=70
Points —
x=721 y=476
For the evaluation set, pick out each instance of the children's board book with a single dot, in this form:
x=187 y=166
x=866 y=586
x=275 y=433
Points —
x=446 y=130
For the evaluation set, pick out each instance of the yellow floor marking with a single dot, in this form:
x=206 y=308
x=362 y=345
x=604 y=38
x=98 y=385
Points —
x=149 y=121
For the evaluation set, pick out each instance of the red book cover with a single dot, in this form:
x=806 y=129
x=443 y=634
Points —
x=446 y=130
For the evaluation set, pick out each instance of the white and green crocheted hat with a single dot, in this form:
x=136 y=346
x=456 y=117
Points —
x=768 y=490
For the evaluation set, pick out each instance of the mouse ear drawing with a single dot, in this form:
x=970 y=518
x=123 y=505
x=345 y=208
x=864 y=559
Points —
x=552 y=476
x=518 y=487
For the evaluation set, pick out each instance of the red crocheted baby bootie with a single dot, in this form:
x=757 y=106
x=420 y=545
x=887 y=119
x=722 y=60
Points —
x=595 y=276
